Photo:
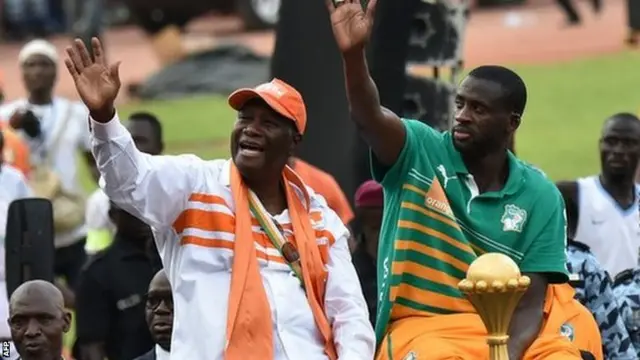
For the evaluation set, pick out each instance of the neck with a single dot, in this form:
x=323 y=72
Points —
x=372 y=249
x=270 y=192
x=165 y=347
x=489 y=172
x=622 y=189
x=40 y=98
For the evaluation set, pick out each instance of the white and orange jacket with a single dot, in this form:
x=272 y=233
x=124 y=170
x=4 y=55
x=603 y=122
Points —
x=162 y=190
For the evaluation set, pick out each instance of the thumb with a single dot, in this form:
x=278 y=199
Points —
x=114 y=72
x=371 y=10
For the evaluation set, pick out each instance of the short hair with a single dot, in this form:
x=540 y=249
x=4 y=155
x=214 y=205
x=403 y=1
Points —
x=515 y=91
x=624 y=117
x=151 y=119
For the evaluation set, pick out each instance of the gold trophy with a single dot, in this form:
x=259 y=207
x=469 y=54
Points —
x=494 y=286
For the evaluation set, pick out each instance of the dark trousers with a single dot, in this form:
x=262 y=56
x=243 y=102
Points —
x=569 y=10
x=69 y=261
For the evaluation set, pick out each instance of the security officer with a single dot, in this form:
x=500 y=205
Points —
x=110 y=302
x=627 y=290
x=594 y=290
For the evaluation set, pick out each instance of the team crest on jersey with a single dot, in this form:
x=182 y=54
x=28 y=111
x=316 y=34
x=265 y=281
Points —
x=566 y=330
x=513 y=218
x=411 y=356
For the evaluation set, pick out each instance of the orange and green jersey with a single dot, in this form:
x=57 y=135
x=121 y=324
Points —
x=436 y=223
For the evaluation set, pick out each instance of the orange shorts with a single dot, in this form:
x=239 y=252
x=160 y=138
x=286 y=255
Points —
x=464 y=337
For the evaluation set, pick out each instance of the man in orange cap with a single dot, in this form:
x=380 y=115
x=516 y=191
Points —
x=259 y=264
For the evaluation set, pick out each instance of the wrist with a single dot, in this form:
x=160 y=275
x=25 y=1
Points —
x=356 y=55
x=103 y=115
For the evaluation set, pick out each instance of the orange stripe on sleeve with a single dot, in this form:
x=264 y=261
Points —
x=204 y=220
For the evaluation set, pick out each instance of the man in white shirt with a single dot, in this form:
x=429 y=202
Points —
x=258 y=263
x=602 y=210
x=55 y=130
x=13 y=186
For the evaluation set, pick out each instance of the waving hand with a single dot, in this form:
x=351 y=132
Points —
x=351 y=23
x=96 y=81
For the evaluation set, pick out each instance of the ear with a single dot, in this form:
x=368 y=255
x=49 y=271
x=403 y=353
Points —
x=295 y=140
x=514 y=121
x=66 y=321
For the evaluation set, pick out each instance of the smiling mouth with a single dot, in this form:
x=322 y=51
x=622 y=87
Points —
x=248 y=148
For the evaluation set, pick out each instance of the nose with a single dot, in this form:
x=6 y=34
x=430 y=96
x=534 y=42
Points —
x=462 y=115
x=33 y=328
x=163 y=308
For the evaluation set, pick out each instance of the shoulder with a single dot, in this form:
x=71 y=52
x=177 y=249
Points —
x=538 y=185
x=7 y=109
x=95 y=264
x=325 y=218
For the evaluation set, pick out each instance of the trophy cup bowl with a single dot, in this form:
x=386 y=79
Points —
x=494 y=287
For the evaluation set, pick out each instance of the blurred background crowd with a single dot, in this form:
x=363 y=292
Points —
x=180 y=59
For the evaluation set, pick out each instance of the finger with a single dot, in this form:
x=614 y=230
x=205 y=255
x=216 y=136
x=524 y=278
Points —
x=72 y=69
x=98 y=54
x=338 y=3
x=83 y=52
x=114 y=73
x=73 y=55
x=371 y=10
x=330 y=6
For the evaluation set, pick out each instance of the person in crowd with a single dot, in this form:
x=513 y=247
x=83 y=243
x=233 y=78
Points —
x=448 y=197
x=594 y=290
x=146 y=130
x=633 y=23
x=16 y=151
x=110 y=298
x=159 y=315
x=13 y=186
x=55 y=129
x=225 y=228
x=573 y=17
x=602 y=210
x=28 y=18
x=38 y=320
x=326 y=185
x=626 y=289
x=369 y=204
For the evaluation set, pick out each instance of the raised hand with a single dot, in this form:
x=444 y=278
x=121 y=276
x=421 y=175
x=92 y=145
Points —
x=96 y=81
x=351 y=23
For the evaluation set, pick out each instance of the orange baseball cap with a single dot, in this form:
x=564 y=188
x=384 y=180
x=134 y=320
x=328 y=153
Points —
x=280 y=96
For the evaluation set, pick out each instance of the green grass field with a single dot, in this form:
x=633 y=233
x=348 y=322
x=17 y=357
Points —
x=567 y=105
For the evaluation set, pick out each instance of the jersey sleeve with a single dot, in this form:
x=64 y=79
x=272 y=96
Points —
x=420 y=138
x=547 y=231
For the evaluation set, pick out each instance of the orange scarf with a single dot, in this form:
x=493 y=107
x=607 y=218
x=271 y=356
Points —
x=249 y=323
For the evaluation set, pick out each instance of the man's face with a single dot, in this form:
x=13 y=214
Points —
x=159 y=311
x=262 y=140
x=37 y=327
x=144 y=137
x=127 y=224
x=620 y=148
x=483 y=124
x=38 y=73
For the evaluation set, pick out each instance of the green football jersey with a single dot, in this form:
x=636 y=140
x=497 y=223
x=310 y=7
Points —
x=436 y=223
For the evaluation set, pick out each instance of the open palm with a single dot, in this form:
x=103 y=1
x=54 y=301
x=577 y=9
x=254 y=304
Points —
x=351 y=23
x=97 y=82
